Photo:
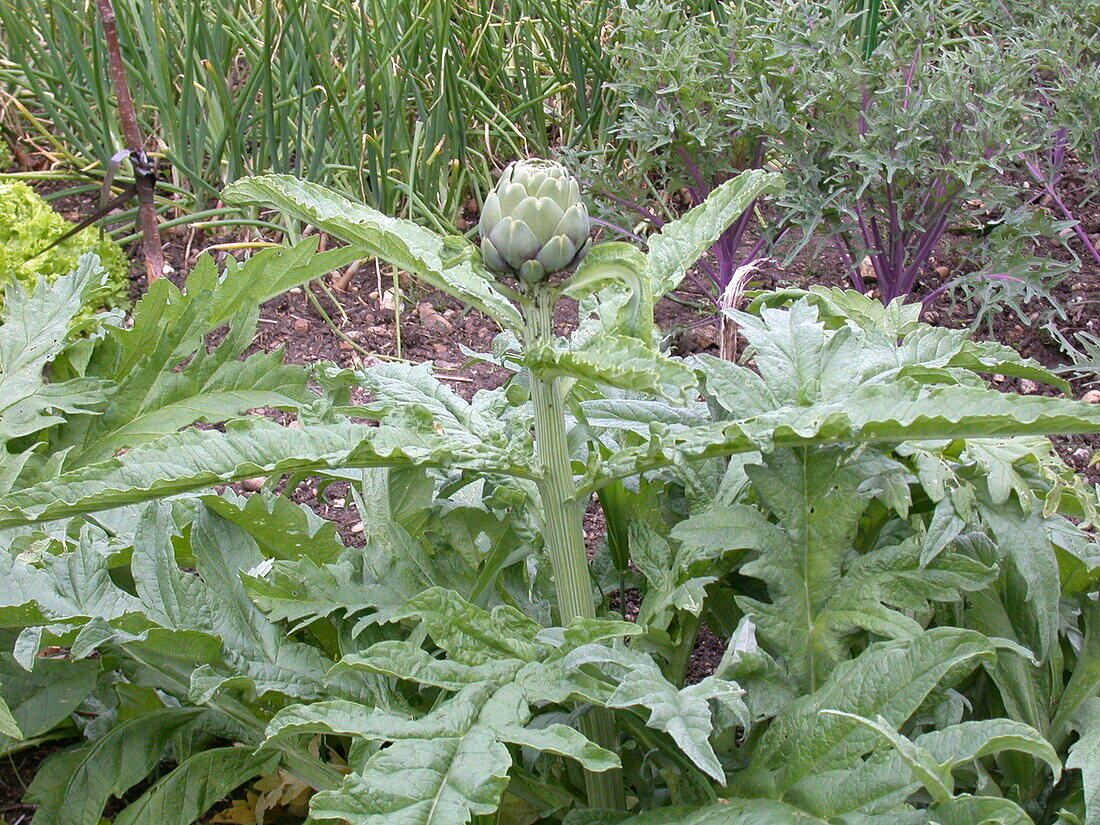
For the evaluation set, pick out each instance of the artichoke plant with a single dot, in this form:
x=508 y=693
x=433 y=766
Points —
x=534 y=222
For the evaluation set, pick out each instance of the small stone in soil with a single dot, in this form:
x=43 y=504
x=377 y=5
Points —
x=357 y=527
x=432 y=319
x=253 y=484
x=1028 y=387
x=867 y=270
x=1091 y=397
x=706 y=336
x=301 y=325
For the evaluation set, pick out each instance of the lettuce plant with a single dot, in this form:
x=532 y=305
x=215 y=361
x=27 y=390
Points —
x=28 y=225
x=892 y=549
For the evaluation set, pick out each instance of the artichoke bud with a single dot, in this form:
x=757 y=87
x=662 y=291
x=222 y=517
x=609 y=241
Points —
x=534 y=222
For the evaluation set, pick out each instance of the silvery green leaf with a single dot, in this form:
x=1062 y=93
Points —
x=855 y=377
x=681 y=243
x=194 y=786
x=1084 y=755
x=262 y=276
x=684 y=714
x=890 y=414
x=620 y=268
x=402 y=659
x=638 y=415
x=999 y=460
x=304 y=590
x=195 y=459
x=898 y=319
x=165 y=377
x=9 y=728
x=399 y=385
x=33 y=330
x=281 y=528
x=35 y=326
x=1023 y=540
x=729 y=812
x=933 y=776
x=73 y=786
x=441 y=768
x=589 y=631
x=816 y=499
x=767 y=687
x=988 y=810
x=943 y=528
x=404 y=244
x=958 y=744
x=840 y=306
x=1024 y=689
x=619 y=361
x=889 y=679
x=74 y=586
x=1084 y=683
x=444 y=780
x=470 y=634
x=710 y=533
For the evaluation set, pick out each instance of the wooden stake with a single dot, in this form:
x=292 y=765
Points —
x=151 y=245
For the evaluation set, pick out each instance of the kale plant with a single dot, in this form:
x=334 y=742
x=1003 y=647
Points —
x=886 y=151
x=680 y=77
x=1064 y=42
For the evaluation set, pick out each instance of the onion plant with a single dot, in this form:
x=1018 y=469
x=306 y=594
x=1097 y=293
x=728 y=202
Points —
x=402 y=105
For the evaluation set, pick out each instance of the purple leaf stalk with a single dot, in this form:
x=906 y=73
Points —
x=728 y=264
x=1049 y=185
x=897 y=239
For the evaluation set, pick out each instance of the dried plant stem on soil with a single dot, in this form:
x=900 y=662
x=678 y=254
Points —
x=562 y=517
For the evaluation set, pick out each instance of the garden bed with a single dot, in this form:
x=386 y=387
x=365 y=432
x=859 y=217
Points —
x=844 y=578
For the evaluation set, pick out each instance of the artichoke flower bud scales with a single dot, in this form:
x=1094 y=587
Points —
x=534 y=222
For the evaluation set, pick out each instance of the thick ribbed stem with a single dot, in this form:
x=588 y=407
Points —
x=562 y=524
x=561 y=512
x=681 y=656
